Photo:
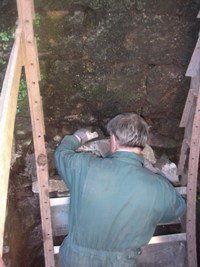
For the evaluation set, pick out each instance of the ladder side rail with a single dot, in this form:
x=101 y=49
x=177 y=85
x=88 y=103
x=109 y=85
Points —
x=191 y=98
x=187 y=122
x=186 y=144
x=32 y=79
x=192 y=187
x=8 y=107
x=188 y=105
x=194 y=62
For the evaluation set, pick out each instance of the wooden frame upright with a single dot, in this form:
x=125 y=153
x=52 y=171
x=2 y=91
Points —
x=24 y=53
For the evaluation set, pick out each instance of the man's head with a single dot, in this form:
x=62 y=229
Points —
x=128 y=130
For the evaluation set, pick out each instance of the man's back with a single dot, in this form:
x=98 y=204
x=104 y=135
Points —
x=115 y=206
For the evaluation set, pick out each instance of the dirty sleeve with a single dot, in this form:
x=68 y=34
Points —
x=172 y=202
x=70 y=164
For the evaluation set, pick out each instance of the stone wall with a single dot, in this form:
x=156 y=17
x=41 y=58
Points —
x=100 y=58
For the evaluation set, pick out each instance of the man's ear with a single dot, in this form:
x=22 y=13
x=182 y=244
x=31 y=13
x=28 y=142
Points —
x=113 y=143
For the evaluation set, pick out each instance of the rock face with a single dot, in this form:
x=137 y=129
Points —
x=100 y=58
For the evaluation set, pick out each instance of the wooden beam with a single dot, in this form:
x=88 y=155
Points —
x=154 y=240
x=192 y=187
x=193 y=67
x=8 y=106
x=32 y=78
x=171 y=254
x=60 y=213
x=190 y=102
x=168 y=238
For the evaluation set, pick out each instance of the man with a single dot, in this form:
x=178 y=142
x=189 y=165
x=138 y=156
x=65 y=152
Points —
x=116 y=202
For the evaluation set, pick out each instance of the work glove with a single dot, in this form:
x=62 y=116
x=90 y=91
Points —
x=85 y=135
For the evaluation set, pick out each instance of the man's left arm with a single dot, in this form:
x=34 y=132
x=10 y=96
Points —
x=67 y=160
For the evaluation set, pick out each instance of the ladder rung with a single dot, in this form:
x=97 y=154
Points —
x=56 y=249
x=60 y=208
x=168 y=238
x=65 y=200
x=59 y=201
x=182 y=190
x=178 y=221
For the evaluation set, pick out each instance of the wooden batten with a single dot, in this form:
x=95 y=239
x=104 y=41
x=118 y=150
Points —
x=8 y=106
x=188 y=105
x=37 y=120
x=192 y=187
x=193 y=67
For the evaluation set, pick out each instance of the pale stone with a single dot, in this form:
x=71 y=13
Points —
x=170 y=171
x=54 y=186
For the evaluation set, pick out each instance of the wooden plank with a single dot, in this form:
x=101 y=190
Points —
x=154 y=240
x=185 y=146
x=60 y=219
x=8 y=105
x=157 y=255
x=60 y=210
x=183 y=157
x=181 y=190
x=194 y=83
x=32 y=79
x=192 y=187
x=193 y=67
x=187 y=123
x=32 y=9
x=186 y=112
x=37 y=61
x=168 y=238
x=171 y=254
x=165 y=254
x=57 y=201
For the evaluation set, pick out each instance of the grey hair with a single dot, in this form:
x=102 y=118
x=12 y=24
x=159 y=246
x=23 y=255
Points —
x=129 y=129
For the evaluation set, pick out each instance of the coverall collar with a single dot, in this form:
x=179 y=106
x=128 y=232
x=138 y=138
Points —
x=126 y=156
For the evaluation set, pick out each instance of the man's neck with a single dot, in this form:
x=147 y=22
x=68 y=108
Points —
x=136 y=150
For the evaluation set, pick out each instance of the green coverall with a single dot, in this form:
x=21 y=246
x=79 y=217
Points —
x=114 y=208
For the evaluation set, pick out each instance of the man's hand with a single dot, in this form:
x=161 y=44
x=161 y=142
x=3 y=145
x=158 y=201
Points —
x=84 y=135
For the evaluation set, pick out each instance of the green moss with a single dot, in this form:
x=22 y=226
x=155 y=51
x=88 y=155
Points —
x=22 y=94
x=6 y=38
x=2 y=61
x=158 y=18
x=37 y=20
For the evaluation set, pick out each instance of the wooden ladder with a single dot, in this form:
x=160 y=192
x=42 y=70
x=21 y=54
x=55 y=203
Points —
x=189 y=157
x=24 y=54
